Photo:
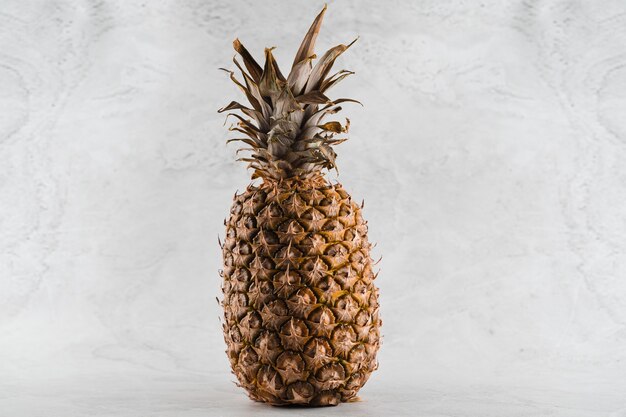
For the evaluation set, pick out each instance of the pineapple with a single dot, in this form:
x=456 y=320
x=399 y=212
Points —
x=300 y=305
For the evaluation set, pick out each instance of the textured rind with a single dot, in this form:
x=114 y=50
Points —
x=300 y=305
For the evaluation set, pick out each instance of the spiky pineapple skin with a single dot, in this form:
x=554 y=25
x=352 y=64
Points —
x=300 y=305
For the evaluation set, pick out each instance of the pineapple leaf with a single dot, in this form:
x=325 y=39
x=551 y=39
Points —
x=286 y=103
x=308 y=43
x=249 y=141
x=253 y=67
x=324 y=65
x=335 y=126
x=313 y=97
x=246 y=123
x=252 y=93
x=258 y=117
x=300 y=74
x=284 y=124
x=346 y=100
x=331 y=127
x=242 y=88
x=269 y=84
x=334 y=79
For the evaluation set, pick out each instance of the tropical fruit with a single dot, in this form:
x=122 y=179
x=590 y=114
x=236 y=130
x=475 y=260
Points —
x=301 y=320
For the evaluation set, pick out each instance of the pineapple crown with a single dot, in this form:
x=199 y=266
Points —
x=285 y=128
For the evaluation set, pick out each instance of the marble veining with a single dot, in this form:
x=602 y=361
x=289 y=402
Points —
x=490 y=154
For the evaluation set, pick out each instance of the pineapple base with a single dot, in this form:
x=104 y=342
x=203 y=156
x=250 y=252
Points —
x=300 y=304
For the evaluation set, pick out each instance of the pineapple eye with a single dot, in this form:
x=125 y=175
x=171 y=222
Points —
x=357 y=257
x=259 y=196
x=300 y=389
x=287 y=278
x=269 y=379
x=269 y=339
x=244 y=248
x=248 y=357
x=278 y=308
x=303 y=296
x=291 y=361
x=345 y=210
x=332 y=371
x=358 y=354
x=342 y=193
x=275 y=210
x=362 y=318
x=236 y=208
x=239 y=299
x=322 y=315
x=267 y=263
x=336 y=250
x=266 y=287
x=266 y=237
x=344 y=334
x=332 y=226
x=345 y=302
x=318 y=347
x=252 y=320
x=242 y=274
x=324 y=202
x=373 y=336
x=294 y=327
x=235 y=334
x=249 y=222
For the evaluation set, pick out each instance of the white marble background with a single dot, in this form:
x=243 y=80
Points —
x=490 y=152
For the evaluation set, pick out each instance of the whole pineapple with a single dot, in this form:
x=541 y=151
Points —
x=300 y=305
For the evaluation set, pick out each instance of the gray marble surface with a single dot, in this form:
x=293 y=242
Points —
x=490 y=153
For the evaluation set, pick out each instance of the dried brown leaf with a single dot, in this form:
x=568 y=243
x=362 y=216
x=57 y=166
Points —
x=253 y=67
x=334 y=79
x=299 y=75
x=269 y=84
x=313 y=97
x=324 y=65
x=308 y=43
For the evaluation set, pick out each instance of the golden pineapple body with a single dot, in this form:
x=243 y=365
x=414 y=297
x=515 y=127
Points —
x=301 y=308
